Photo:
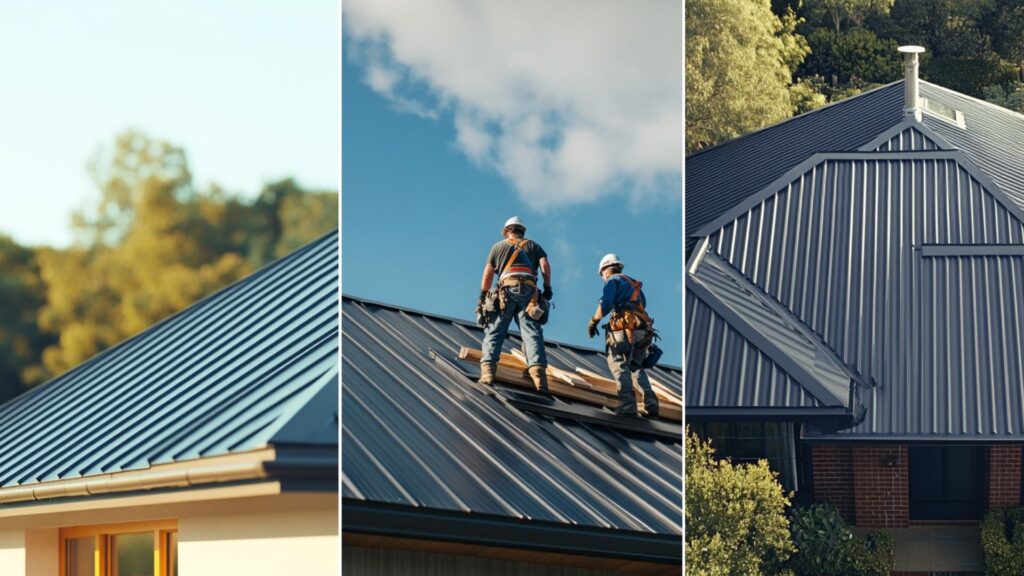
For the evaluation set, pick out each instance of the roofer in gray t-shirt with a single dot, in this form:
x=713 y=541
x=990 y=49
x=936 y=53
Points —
x=517 y=261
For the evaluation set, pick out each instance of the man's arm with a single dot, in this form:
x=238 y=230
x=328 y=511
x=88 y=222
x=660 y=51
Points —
x=545 y=270
x=485 y=282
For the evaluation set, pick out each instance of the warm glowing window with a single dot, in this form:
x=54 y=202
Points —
x=132 y=549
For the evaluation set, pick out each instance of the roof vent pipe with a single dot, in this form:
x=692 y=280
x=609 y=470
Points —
x=910 y=88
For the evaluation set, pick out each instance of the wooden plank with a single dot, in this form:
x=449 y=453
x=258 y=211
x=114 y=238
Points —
x=661 y=389
x=599 y=382
x=602 y=391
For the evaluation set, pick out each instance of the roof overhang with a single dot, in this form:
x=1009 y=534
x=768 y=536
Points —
x=491 y=530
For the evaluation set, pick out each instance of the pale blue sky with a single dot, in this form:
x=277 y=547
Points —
x=249 y=89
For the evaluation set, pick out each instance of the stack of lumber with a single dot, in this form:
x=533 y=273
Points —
x=581 y=385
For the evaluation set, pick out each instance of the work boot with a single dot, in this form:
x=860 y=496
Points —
x=651 y=408
x=539 y=375
x=486 y=373
x=627 y=405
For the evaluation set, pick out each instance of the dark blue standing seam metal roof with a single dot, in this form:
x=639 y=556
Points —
x=909 y=265
x=720 y=177
x=419 y=434
x=237 y=371
x=758 y=356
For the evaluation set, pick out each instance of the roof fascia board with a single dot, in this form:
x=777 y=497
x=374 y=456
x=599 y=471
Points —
x=177 y=475
x=808 y=113
x=812 y=438
x=491 y=530
x=804 y=378
x=943 y=250
x=889 y=134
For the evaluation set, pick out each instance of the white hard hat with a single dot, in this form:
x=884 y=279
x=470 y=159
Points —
x=513 y=221
x=609 y=260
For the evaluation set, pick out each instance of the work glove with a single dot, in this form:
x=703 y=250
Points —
x=547 y=293
x=592 y=327
x=481 y=317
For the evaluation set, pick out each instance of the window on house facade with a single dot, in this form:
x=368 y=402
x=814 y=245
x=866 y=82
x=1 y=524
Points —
x=748 y=442
x=133 y=549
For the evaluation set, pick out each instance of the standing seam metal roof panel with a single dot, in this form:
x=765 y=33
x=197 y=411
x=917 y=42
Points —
x=222 y=376
x=419 y=433
x=841 y=247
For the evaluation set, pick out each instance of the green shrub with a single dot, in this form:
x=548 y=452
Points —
x=827 y=547
x=1002 y=542
x=735 y=516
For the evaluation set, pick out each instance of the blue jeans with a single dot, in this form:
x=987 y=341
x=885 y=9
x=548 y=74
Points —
x=516 y=299
x=627 y=372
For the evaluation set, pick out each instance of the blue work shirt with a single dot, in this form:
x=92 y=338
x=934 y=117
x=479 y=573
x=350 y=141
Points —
x=617 y=292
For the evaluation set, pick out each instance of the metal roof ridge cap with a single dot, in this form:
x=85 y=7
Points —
x=909 y=122
x=763 y=343
x=788 y=316
x=783 y=121
x=463 y=322
x=757 y=197
x=802 y=376
x=160 y=476
x=988 y=184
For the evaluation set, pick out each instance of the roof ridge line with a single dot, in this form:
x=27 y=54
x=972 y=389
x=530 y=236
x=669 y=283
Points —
x=975 y=99
x=802 y=115
x=787 y=314
x=803 y=377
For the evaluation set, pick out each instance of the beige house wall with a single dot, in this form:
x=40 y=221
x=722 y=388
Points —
x=12 y=552
x=248 y=534
x=304 y=543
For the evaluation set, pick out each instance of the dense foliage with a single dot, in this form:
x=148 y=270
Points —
x=825 y=545
x=150 y=245
x=1002 y=541
x=735 y=516
x=747 y=59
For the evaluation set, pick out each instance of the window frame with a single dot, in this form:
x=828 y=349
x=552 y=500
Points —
x=161 y=530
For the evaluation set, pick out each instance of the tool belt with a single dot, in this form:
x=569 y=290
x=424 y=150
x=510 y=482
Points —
x=630 y=328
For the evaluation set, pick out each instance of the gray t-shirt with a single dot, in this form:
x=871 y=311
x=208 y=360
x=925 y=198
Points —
x=527 y=262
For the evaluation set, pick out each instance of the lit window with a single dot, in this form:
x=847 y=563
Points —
x=132 y=549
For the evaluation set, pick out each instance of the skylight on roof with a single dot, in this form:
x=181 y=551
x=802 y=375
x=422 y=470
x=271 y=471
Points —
x=944 y=112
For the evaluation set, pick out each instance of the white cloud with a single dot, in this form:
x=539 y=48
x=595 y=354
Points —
x=569 y=100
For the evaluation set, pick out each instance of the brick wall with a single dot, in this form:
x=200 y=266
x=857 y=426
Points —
x=880 y=486
x=833 y=477
x=1004 y=475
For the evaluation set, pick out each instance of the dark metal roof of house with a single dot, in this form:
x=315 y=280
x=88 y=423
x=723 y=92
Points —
x=421 y=439
x=757 y=355
x=245 y=368
x=905 y=257
x=722 y=176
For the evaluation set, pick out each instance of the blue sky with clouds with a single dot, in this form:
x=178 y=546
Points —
x=459 y=116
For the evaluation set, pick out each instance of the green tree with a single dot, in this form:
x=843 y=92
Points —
x=1011 y=98
x=855 y=56
x=854 y=11
x=21 y=297
x=735 y=516
x=143 y=253
x=740 y=58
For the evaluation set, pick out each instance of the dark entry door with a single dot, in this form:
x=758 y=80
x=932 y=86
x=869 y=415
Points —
x=946 y=482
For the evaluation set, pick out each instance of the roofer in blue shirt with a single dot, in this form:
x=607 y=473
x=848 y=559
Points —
x=517 y=296
x=629 y=336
